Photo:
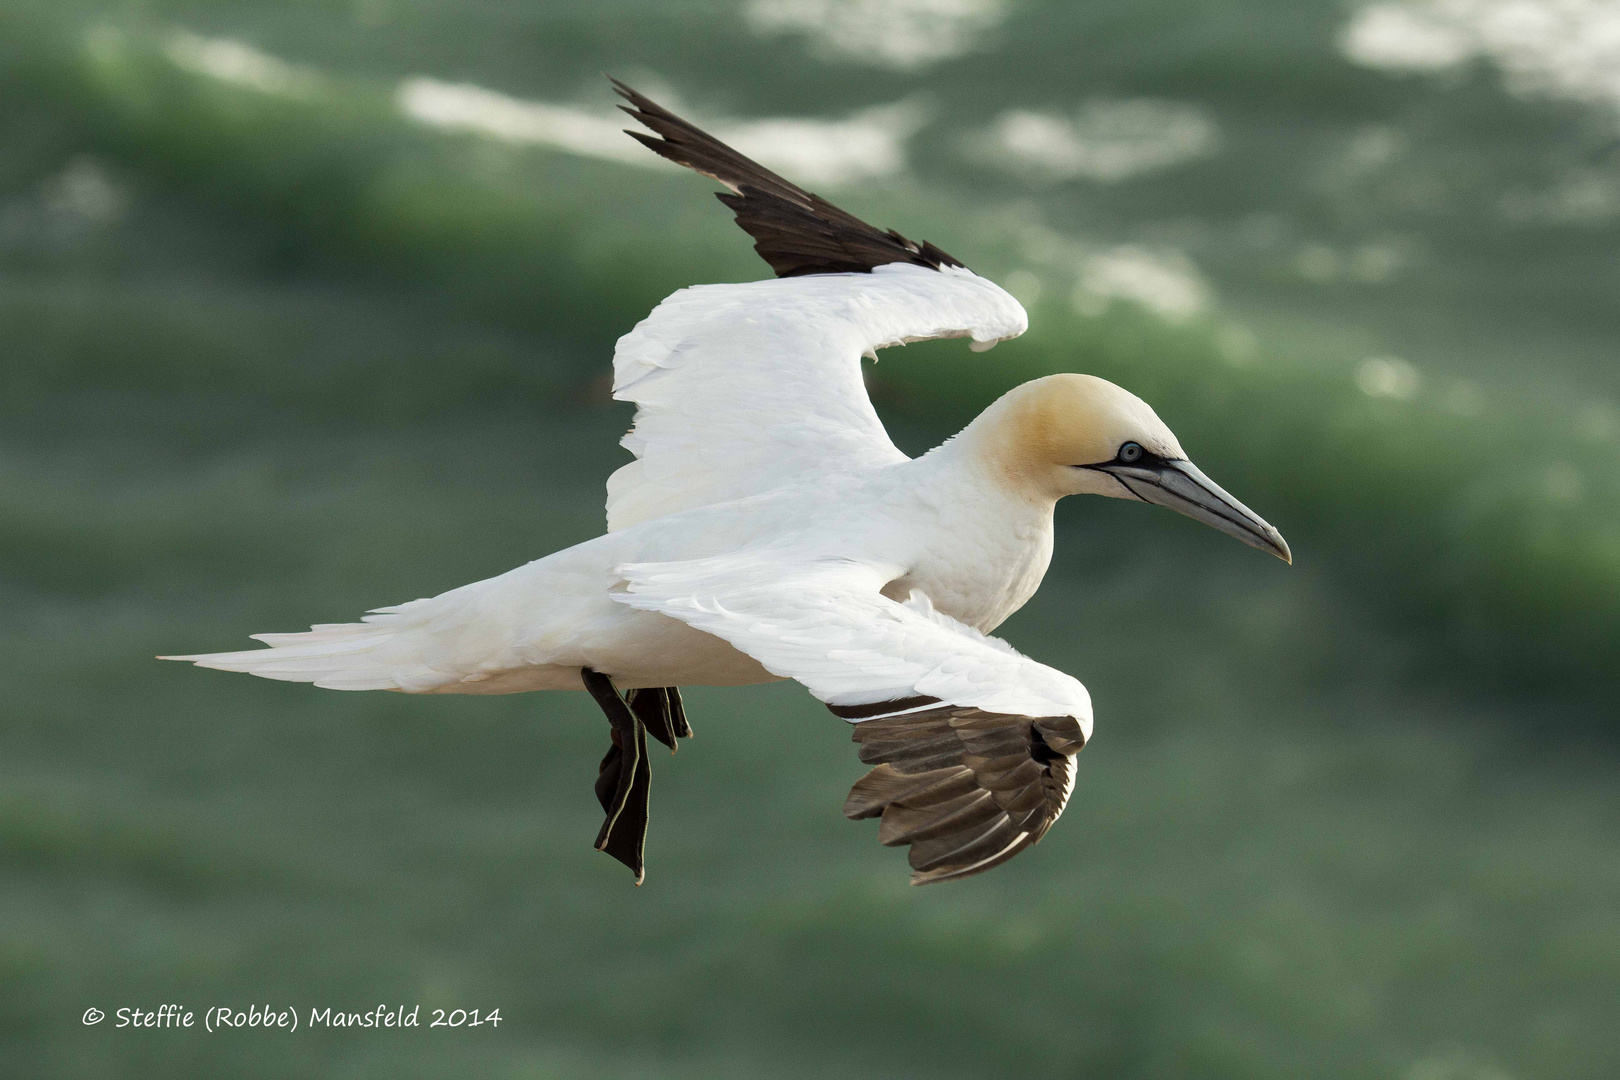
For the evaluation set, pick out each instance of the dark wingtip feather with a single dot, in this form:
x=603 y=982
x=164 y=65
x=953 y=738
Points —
x=965 y=788
x=795 y=231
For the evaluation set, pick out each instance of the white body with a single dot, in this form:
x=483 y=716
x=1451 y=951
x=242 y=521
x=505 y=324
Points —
x=976 y=553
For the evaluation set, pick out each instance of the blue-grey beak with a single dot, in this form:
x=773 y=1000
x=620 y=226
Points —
x=1180 y=486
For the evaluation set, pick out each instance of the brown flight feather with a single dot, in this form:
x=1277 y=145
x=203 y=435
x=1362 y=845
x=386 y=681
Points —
x=967 y=789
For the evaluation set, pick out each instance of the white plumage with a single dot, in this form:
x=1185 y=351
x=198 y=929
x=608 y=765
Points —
x=741 y=389
x=826 y=623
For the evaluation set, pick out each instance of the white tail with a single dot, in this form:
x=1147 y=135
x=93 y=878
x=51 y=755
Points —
x=509 y=634
x=385 y=651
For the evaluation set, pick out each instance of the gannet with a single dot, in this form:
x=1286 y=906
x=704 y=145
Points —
x=768 y=529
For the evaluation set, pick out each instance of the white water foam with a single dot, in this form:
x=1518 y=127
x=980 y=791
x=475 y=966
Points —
x=904 y=34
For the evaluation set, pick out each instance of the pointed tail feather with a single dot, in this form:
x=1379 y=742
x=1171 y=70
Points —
x=377 y=654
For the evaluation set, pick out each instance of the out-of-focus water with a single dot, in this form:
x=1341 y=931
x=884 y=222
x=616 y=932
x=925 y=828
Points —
x=305 y=310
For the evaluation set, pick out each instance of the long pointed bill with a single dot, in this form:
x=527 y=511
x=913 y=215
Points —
x=1180 y=486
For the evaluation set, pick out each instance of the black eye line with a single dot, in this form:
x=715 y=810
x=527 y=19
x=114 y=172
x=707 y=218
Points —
x=1147 y=460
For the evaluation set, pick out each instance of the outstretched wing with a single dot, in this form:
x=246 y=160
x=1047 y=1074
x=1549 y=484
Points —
x=972 y=742
x=743 y=388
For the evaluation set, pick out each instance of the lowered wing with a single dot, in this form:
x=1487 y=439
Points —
x=972 y=742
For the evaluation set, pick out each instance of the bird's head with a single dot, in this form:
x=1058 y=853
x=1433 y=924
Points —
x=1078 y=434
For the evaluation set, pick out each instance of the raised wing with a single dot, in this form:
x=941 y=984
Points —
x=972 y=742
x=742 y=388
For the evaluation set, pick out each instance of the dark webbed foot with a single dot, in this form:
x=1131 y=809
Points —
x=624 y=787
x=624 y=782
x=659 y=709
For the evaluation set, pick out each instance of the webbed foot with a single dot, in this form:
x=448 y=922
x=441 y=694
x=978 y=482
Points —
x=624 y=782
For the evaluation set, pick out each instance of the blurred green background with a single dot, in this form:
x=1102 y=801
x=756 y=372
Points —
x=307 y=308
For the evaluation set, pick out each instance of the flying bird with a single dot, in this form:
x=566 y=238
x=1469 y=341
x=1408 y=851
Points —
x=768 y=529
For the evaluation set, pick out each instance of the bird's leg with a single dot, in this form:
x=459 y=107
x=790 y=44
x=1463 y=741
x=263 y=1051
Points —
x=624 y=783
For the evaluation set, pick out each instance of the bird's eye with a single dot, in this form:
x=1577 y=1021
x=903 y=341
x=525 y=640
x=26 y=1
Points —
x=1130 y=453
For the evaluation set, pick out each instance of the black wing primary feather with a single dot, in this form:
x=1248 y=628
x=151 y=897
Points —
x=793 y=230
